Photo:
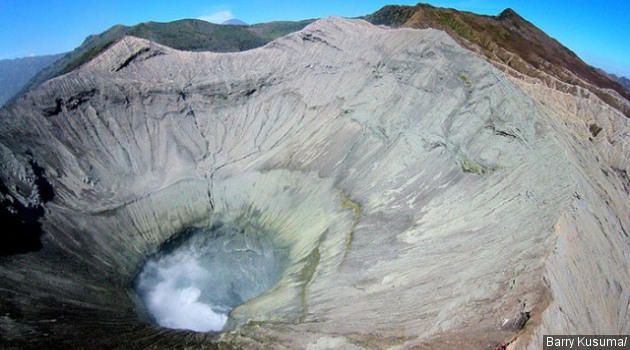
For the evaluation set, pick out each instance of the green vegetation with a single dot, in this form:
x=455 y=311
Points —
x=393 y=16
x=452 y=21
x=274 y=30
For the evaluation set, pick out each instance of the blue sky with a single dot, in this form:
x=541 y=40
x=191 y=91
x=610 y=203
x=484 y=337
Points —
x=598 y=31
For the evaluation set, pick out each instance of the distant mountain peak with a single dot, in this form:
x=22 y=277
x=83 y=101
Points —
x=234 y=22
x=508 y=13
x=624 y=81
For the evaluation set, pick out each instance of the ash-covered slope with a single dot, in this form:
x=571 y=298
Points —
x=423 y=198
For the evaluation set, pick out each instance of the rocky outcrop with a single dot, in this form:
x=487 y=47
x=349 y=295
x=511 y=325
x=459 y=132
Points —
x=424 y=199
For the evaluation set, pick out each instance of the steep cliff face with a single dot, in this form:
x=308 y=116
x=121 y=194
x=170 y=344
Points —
x=424 y=199
x=591 y=254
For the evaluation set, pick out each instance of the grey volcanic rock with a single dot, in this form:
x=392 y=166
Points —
x=424 y=198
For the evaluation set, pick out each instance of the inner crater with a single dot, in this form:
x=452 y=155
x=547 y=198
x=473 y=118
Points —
x=198 y=277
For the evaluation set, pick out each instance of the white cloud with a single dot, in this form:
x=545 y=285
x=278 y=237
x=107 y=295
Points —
x=218 y=17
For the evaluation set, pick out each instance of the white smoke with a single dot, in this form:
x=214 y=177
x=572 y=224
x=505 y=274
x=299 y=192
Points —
x=195 y=285
x=171 y=287
x=218 y=17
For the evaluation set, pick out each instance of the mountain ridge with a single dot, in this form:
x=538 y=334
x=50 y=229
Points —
x=624 y=81
x=186 y=34
x=234 y=21
x=508 y=40
x=513 y=44
x=15 y=73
